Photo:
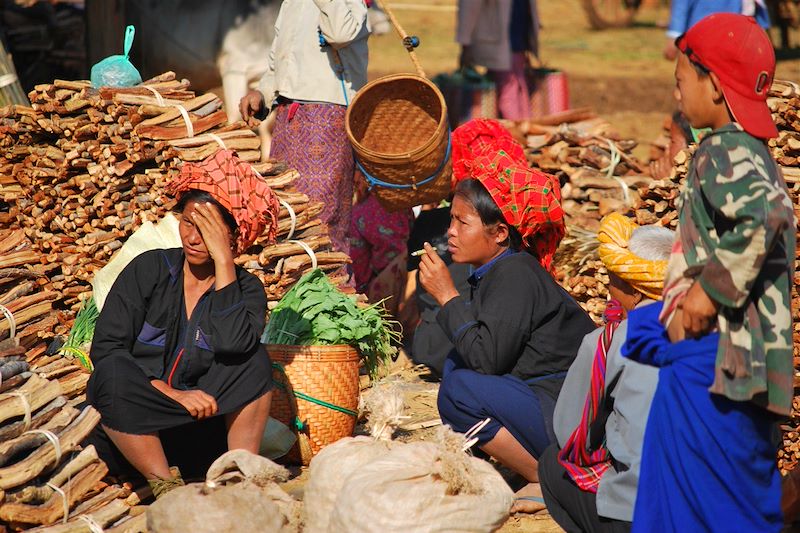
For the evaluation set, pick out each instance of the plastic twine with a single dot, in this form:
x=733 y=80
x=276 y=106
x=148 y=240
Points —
x=292 y=216
x=612 y=165
x=26 y=421
x=63 y=501
x=186 y=120
x=159 y=98
x=12 y=322
x=52 y=437
x=217 y=139
x=94 y=527
x=309 y=251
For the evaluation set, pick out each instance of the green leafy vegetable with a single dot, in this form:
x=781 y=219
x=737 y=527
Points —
x=315 y=312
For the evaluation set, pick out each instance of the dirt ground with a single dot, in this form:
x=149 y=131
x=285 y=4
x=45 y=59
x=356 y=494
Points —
x=620 y=73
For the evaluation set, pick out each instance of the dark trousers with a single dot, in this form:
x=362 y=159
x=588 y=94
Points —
x=467 y=397
x=574 y=510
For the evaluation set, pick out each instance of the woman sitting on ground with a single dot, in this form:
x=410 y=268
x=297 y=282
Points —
x=590 y=476
x=177 y=340
x=518 y=332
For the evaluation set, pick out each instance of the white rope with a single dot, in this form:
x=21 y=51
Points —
x=25 y=405
x=216 y=138
x=7 y=79
x=309 y=251
x=159 y=98
x=186 y=119
x=292 y=216
x=10 y=317
x=52 y=437
x=63 y=500
x=616 y=158
x=94 y=527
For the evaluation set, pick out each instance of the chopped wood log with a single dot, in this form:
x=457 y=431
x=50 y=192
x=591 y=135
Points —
x=35 y=393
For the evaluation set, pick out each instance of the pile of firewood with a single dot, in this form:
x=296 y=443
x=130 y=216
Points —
x=80 y=171
x=596 y=167
x=45 y=475
x=784 y=102
x=580 y=271
x=83 y=168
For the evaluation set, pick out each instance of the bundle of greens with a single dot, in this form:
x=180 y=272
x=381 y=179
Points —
x=314 y=312
x=81 y=334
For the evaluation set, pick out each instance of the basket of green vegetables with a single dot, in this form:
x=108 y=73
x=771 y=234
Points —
x=317 y=338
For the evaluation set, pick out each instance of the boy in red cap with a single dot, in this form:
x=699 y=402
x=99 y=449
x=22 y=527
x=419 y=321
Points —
x=708 y=460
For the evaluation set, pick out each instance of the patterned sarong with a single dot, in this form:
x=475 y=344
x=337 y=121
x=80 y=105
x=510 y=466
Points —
x=311 y=138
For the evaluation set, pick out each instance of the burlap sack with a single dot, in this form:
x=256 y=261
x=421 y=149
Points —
x=331 y=466
x=240 y=494
x=423 y=487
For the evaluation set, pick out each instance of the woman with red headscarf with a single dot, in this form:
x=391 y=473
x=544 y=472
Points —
x=517 y=334
x=176 y=348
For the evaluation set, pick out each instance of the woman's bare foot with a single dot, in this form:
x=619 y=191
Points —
x=528 y=499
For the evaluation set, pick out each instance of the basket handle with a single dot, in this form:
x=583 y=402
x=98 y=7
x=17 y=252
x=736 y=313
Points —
x=404 y=36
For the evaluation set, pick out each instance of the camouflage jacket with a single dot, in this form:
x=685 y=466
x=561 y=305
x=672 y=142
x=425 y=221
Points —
x=736 y=236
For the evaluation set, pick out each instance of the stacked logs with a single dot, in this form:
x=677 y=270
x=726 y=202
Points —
x=784 y=102
x=596 y=167
x=80 y=171
x=45 y=475
x=83 y=168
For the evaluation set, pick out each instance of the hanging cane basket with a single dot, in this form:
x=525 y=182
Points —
x=398 y=127
x=316 y=395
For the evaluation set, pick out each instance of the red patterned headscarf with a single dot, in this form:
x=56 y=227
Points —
x=238 y=188
x=530 y=200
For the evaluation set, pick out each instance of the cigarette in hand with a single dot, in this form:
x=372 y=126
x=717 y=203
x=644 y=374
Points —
x=418 y=253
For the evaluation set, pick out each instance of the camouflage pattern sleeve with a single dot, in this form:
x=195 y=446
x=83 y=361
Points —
x=746 y=217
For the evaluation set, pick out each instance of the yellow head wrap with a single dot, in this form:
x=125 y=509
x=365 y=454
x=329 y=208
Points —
x=643 y=275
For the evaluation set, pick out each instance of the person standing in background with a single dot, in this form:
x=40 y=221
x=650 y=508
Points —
x=683 y=14
x=317 y=64
x=497 y=34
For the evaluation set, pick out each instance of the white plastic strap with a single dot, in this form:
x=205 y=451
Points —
x=94 y=527
x=186 y=119
x=159 y=98
x=63 y=500
x=53 y=440
x=309 y=251
x=470 y=434
x=292 y=216
x=625 y=189
x=216 y=138
x=615 y=160
x=7 y=79
x=10 y=317
x=26 y=422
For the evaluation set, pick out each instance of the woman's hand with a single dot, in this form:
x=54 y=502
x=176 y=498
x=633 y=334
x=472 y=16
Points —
x=199 y=404
x=251 y=105
x=219 y=242
x=435 y=277
x=216 y=234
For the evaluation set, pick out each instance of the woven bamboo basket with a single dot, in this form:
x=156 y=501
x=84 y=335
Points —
x=318 y=387
x=398 y=127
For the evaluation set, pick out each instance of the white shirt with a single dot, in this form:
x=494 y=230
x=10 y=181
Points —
x=301 y=69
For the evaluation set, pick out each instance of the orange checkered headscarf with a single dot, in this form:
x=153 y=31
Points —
x=530 y=200
x=238 y=188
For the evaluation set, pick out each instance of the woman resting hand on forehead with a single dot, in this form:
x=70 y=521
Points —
x=180 y=374
x=518 y=332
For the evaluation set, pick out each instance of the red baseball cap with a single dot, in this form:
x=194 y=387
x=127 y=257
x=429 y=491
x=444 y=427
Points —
x=739 y=52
